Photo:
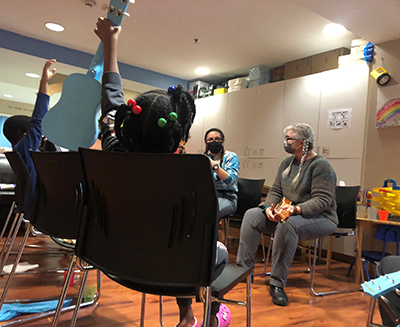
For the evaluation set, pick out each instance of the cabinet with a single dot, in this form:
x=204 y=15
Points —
x=210 y=112
x=346 y=87
x=253 y=120
x=258 y=168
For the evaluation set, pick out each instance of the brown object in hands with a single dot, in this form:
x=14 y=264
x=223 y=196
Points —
x=283 y=214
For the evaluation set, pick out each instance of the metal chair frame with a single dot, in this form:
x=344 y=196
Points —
x=22 y=174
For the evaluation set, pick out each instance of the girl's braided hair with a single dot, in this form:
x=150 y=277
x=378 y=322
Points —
x=141 y=133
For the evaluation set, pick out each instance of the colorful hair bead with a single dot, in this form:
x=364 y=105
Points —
x=162 y=122
x=172 y=89
x=172 y=116
x=135 y=108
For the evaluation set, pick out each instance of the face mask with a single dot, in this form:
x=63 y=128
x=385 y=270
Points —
x=288 y=147
x=214 y=147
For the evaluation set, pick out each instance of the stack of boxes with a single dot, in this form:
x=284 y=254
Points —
x=314 y=64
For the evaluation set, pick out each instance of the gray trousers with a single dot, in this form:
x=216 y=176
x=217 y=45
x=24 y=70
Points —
x=226 y=205
x=286 y=237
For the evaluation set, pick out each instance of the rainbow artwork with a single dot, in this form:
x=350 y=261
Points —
x=389 y=114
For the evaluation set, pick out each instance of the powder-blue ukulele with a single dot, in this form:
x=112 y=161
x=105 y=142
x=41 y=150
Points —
x=71 y=123
x=382 y=285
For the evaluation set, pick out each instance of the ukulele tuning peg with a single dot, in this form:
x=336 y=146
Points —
x=121 y=13
x=111 y=9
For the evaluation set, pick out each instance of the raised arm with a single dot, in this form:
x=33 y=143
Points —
x=109 y=34
x=46 y=76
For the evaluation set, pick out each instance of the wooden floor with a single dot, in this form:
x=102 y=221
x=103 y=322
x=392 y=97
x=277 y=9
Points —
x=120 y=307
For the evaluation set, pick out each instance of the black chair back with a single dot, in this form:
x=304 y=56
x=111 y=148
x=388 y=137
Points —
x=346 y=201
x=7 y=175
x=23 y=187
x=58 y=205
x=150 y=220
x=249 y=195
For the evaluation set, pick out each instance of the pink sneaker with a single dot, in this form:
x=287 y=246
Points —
x=223 y=316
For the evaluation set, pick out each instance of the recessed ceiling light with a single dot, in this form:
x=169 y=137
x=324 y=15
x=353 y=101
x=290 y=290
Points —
x=7 y=96
x=334 y=29
x=202 y=71
x=54 y=27
x=33 y=75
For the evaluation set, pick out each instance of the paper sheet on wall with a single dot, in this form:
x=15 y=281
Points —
x=339 y=118
x=388 y=106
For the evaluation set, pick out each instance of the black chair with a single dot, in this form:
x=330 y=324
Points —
x=7 y=196
x=385 y=234
x=249 y=196
x=22 y=192
x=148 y=215
x=346 y=200
x=57 y=208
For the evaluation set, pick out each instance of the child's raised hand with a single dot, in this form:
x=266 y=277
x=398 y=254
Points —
x=48 y=74
x=106 y=31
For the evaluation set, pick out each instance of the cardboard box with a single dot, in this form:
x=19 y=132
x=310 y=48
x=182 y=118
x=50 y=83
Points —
x=297 y=68
x=277 y=71
x=327 y=60
x=221 y=90
x=277 y=78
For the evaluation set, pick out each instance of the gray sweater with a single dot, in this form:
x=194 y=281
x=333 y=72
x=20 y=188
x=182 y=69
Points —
x=315 y=191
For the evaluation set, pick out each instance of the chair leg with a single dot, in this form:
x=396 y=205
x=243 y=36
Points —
x=8 y=244
x=226 y=232
x=248 y=301
x=371 y=312
x=263 y=247
x=268 y=255
x=207 y=306
x=64 y=291
x=7 y=220
x=143 y=309
x=14 y=268
x=161 y=311
x=313 y=292
x=79 y=299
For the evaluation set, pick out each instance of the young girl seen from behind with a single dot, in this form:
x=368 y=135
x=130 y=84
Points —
x=157 y=121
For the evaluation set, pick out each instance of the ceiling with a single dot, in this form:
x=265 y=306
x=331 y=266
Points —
x=234 y=35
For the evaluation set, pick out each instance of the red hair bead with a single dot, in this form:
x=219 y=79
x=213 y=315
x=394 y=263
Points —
x=136 y=110
x=131 y=103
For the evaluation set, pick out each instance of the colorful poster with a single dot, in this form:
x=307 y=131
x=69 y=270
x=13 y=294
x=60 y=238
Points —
x=388 y=107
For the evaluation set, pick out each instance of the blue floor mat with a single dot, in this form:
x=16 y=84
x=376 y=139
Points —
x=9 y=311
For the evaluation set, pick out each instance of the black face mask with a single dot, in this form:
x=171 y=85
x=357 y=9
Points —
x=214 y=147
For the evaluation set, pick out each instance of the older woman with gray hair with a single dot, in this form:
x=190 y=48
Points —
x=308 y=181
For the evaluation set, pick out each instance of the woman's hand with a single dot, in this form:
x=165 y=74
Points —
x=292 y=209
x=270 y=213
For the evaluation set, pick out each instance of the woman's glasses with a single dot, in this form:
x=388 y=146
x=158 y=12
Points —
x=217 y=139
x=290 y=138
